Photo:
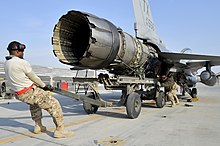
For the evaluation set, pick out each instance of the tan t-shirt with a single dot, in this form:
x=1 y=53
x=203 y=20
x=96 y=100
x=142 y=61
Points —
x=15 y=72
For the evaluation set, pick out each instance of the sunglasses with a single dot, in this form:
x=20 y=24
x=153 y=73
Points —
x=21 y=50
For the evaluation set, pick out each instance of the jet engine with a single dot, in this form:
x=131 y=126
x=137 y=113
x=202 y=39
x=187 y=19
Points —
x=83 y=41
x=208 y=77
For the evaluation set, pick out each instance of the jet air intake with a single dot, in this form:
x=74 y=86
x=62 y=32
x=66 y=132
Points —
x=83 y=40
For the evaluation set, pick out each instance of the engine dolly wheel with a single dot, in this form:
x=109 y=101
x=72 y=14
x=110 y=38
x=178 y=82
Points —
x=88 y=107
x=161 y=100
x=3 y=90
x=133 y=105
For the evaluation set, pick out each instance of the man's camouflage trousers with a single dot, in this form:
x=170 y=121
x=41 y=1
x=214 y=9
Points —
x=39 y=99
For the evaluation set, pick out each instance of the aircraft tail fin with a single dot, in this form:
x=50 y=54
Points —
x=144 y=26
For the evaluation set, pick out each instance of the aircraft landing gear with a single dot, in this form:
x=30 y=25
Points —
x=194 y=93
x=88 y=107
x=133 y=105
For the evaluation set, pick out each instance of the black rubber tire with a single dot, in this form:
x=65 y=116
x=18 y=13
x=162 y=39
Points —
x=3 y=90
x=161 y=100
x=194 y=93
x=89 y=108
x=183 y=92
x=133 y=105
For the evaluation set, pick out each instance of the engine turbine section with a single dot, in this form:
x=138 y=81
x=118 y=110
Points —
x=84 y=41
x=208 y=77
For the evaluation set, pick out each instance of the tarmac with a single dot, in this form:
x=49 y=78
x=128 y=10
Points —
x=193 y=123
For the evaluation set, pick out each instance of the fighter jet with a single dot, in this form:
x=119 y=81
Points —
x=182 y=64
x=85 y=41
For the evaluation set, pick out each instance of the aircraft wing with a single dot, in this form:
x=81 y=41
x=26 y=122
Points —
x=175 y=58
x=181 y=56
x=203 y=63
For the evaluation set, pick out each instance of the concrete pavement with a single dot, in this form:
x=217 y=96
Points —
x=196 y=125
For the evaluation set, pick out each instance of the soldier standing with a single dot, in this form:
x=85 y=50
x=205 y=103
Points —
x=29 y=88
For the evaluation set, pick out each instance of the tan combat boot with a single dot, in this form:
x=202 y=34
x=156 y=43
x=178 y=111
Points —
x=173 y=103
x=38 y=128
x=177 y=101
x=61 y=133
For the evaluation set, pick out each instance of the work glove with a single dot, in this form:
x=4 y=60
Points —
x=48 y=88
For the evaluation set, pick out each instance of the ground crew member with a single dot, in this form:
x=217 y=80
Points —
x=170 y=88
x=29 y=88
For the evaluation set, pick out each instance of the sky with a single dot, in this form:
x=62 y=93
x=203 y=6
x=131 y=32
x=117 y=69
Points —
x=180 y=24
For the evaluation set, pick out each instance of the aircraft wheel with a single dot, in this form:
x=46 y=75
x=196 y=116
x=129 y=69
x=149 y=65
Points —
x=133 y=105
x=3 y=90
x=194 y=93
x=161 y=100
x=89 y=108
x=183 y=92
